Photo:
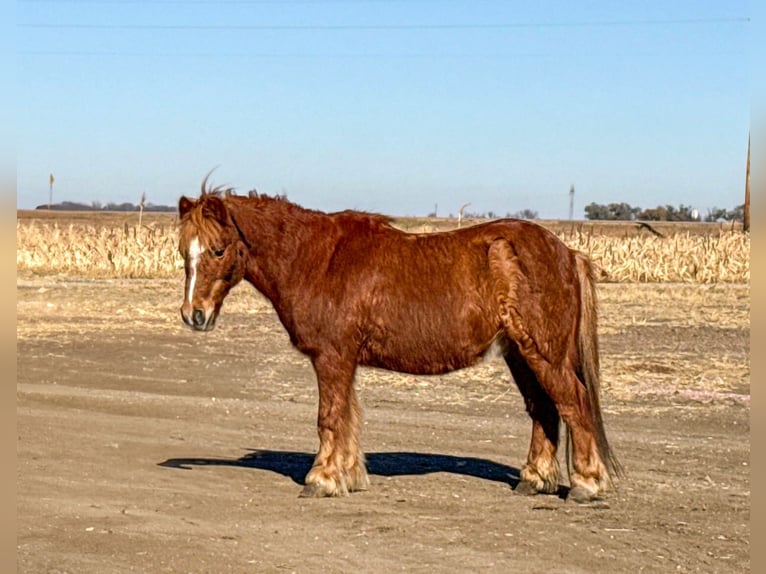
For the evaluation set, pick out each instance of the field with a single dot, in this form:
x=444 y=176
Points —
x=144 y=447
x=114 y=245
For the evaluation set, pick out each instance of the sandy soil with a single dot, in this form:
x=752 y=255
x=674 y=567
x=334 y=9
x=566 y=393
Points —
x=144 y=447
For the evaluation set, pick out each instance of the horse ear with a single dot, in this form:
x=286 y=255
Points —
x=184 y=205
x=215 y=208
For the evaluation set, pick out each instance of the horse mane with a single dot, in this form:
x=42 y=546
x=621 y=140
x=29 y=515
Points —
x=374 y=219
x=219 y=190
x=197 y=222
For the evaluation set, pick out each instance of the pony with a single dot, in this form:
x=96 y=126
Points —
x=350 y=289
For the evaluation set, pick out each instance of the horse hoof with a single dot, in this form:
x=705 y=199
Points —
x=525 y=488
x=581 y=495
x=312 y=490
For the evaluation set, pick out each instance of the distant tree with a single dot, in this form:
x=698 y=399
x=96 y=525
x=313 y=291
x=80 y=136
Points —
x=721 y=214
x=596 y=211
x=683 y=213
x=716 y=214
x=611 y=212
x=524 y=214
x=653 y=214
x=737 y=214
x=667 y=213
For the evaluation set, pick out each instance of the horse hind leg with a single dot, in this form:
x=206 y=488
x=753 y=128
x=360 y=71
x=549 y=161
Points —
x=559 y=390
x=589 y=476
x=543 y=329
x=339 y=466
x=554 y=394
x=541 y=472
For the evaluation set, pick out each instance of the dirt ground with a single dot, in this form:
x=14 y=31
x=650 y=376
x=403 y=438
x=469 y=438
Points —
x=145 y=447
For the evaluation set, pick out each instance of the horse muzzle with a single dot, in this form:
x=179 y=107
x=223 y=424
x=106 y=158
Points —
x=197 y=318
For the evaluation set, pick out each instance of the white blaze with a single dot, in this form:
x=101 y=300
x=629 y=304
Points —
x=195 y=251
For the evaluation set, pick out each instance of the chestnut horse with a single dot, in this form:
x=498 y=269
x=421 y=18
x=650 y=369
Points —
x=350 y=290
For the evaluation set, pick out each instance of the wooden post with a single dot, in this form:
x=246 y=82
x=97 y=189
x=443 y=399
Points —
x=746 y=216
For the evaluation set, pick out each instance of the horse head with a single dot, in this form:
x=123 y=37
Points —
x=215 y=257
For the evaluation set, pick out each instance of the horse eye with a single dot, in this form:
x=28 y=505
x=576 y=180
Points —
x=219 y=252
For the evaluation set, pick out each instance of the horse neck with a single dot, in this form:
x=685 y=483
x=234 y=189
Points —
x=281 y=236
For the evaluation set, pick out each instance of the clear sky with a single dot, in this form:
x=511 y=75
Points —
x=396 y=106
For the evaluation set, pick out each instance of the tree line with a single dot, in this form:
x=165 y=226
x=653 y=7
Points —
x=626 y=212
x=593 y=211
x=97 y=206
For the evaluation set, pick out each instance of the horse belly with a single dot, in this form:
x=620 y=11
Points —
x=424 y=344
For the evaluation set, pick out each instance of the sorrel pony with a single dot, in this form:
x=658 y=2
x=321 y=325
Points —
x=352 y=290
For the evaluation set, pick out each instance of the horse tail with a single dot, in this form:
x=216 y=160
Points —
x=589 y=369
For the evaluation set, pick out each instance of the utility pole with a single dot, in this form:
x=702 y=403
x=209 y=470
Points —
x=141 y=209
x=571 y=202
x=50 y=191
x=746 y=216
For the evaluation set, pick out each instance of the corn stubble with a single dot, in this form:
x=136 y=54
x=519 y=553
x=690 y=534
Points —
x=150 y=251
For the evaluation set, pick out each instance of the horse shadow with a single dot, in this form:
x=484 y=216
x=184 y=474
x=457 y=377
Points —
x=295 y=465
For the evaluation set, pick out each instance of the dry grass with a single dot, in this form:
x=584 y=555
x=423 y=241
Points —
x=89 y=248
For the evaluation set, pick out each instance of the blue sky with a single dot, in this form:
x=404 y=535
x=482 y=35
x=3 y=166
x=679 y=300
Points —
x=385 y=105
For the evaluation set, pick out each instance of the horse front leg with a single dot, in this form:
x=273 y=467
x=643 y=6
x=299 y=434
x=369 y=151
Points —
x=339 y=466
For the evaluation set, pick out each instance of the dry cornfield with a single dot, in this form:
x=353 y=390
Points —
x=680 y=258
x=91 y=250
x=88 y=249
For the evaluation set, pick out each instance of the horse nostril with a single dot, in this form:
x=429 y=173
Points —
x=198 y=317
